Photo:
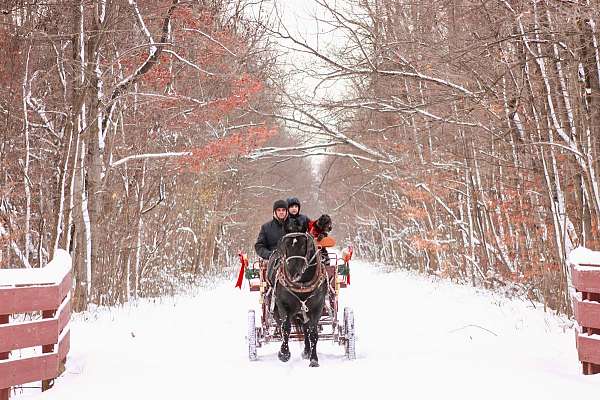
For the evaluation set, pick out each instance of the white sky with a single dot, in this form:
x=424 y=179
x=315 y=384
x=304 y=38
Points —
x=301 y=18
x=417 y=337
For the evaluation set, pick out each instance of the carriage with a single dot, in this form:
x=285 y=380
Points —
x=329 y=326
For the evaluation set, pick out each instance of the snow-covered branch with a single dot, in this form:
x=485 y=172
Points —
x=317 y=124
x=150 y=156
x=19 y=254
x=354 y=157
x=155 y=51
x=212 y=39
x=559 y=145
x=188 y=62
x=268 y=151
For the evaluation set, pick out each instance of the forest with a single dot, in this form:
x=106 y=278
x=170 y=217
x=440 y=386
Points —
x=149 y=138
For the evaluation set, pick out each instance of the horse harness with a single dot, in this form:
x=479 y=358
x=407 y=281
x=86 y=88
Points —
x=282 y=278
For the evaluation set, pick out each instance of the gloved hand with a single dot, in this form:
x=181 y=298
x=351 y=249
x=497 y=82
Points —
x=320 y=237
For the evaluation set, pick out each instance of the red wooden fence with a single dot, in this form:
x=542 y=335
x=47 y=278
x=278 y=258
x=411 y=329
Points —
x=586 y=307
x=46 y=290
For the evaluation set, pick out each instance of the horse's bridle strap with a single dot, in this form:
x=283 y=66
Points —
x=296 y=288
x=319 y=276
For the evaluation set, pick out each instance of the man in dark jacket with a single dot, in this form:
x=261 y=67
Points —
x=272 y=231
x=293 y=206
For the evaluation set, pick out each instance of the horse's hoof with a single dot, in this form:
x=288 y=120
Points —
x=313 y=363
x=284 y=356
x=305 y=355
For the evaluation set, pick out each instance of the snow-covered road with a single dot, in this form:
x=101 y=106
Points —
x=417 y=338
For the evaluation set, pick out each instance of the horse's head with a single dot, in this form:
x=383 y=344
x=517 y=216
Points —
x=299 y=254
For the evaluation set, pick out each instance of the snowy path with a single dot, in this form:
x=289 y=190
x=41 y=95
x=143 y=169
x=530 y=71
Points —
x=418 y=338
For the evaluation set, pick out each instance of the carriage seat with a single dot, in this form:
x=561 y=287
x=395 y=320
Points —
x=332 y=273
x=254 y=284
x=256 y=281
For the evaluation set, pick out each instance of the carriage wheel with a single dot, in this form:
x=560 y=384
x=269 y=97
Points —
x=350 y=344
x=344 y=328
x=252 y=353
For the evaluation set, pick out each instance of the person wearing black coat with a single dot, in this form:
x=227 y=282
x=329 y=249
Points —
x=293 y=206
x=272 y=231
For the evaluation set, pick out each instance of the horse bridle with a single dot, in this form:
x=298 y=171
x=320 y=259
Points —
x=307 y=263
x=294 y=287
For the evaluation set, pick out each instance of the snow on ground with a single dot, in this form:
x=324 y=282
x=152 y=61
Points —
x=417 y=338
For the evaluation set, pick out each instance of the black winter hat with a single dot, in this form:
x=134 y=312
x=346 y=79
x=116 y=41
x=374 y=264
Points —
x=279 y=204
x=293 y=200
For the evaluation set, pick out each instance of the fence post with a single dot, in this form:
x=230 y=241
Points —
x=48 y=348
x=4 y=393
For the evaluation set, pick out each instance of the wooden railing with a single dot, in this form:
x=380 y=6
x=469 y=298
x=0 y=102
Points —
x=46 y=291
x=586 y=307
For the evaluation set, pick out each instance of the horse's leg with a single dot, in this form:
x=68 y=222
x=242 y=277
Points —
x=286 y=327
x=313 y=335
x=313 y=323
x=306 y=352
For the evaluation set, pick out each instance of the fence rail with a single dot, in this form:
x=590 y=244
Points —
x=48 y=291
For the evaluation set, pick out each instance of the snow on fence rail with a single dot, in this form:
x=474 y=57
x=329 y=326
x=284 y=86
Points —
x=585 y=276
x=46 y=290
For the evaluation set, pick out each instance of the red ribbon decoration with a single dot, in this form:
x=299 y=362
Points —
x=244 y=262
x=350 y=251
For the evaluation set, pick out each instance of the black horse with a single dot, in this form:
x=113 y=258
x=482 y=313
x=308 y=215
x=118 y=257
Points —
x=300 y=290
